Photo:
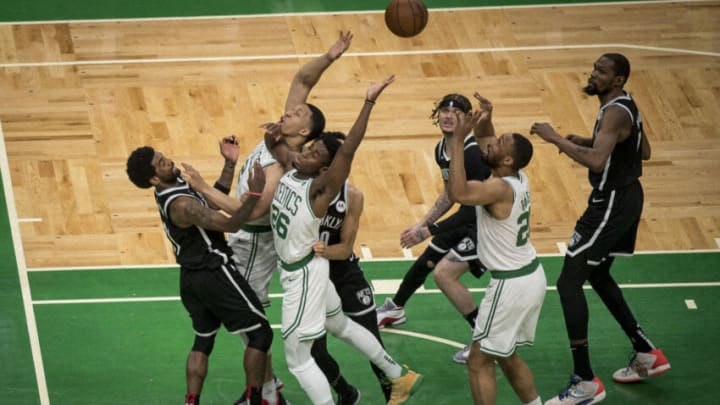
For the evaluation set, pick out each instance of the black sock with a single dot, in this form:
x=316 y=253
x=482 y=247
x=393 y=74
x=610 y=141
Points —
x=341 y=386
x=640 y=341
x=255 y=395
x=471 y=317
x=581 y=360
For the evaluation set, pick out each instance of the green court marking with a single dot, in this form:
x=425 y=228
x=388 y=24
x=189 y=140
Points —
x=17 y=373
x=44 y=10
x=163 y=282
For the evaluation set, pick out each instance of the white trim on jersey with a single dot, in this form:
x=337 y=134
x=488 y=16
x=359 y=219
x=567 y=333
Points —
x=237 y=287
x=575 y=252
x=213 y=333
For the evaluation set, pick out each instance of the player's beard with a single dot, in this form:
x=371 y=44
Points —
x=590 y=90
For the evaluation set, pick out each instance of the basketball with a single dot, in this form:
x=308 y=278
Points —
x=406 y=18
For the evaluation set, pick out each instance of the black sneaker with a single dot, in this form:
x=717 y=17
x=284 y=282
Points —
x=351 y=398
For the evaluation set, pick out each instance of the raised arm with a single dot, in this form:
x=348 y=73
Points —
x=487 y=192
x=614 y=128
x=350 y=225
x=327 y=184
x=230 y=152
x=484 y=130
x=309 y=74
x=188 y=211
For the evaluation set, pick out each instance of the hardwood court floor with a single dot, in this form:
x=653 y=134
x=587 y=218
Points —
x=77 y=97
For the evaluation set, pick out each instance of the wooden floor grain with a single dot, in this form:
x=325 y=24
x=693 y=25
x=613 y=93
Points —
x=179 y=85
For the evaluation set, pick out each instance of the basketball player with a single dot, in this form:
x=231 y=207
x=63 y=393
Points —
x=509 y=311
x=451 y=252
x=608 y=228
x=338 y=230
x=253 y=249
x=310 y=304
x=211 y=288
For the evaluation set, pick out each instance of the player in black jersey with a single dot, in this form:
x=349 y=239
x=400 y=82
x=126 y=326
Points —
x=338 y=230
x=211 y=288
x=452 y=251
x=608 y=227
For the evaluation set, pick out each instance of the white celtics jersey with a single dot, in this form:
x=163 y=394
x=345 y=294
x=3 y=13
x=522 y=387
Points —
x=505 y=244
x=262 y=154
x=294 y=224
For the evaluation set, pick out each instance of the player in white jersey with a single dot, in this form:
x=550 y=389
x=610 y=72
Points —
x=510 y=309
x=253 y=249
x=310 y=303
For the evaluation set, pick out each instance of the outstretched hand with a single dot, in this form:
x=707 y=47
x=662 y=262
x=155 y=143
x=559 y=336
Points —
x=375 y=89
x=340 y=46
x=272 y=129
x=485 y=107
x=466 y=122
x=229 y=148
x=256 y=181
x=193 y=178
x=545 y=131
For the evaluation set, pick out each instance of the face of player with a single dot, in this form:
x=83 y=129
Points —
x=165 y=168
x=498 y=150
x=602 y=79
x=447 y=119
x=312 y=159
x=296 y=121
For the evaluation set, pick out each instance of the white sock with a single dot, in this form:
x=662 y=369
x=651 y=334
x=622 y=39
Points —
x=313 y=382
x=536 y=401
x=360 y=338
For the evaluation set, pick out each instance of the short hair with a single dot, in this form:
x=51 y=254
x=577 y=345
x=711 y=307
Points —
x=621 y=65
x=333 y=141
x=317 y=122
x=451 y=100
x=522 y=151
x=139 y=166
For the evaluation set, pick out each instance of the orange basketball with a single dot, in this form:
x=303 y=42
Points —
x=406 y=18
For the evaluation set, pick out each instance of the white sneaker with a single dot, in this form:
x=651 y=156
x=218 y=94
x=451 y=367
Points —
x=462 y=356
x=579 y=392
x=390 y=314
x=642 y=366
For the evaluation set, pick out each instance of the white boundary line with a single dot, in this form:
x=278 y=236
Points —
x=321 y=13
x=209 y=59
x=420 y=291
x=171 y=266
x=22 y=274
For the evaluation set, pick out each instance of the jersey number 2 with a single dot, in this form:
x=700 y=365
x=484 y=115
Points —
x=524 y=230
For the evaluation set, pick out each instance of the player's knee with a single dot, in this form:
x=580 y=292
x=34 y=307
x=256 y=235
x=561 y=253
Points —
x=204 y=344
x=261 y=339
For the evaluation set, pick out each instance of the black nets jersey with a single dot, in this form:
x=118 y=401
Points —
x=195 y=248
x=332 y=222
x=624 y=165
x=475 y=167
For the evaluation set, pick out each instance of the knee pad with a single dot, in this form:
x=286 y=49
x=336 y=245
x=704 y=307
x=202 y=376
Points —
x=260 y=339
x=204 y=344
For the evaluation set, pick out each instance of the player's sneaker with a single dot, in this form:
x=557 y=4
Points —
x=404 y=386
x=642 y=366
x=352 y=398
x=579 y=392
x=462 y=356
x=390 y=314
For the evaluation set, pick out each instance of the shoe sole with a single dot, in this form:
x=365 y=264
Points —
x=652 y=373
x=392 y=322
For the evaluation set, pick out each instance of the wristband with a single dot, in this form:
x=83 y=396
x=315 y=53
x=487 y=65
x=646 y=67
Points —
x=229 y=164
x=254 y=193
x=368 y=101
x=222 y=188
